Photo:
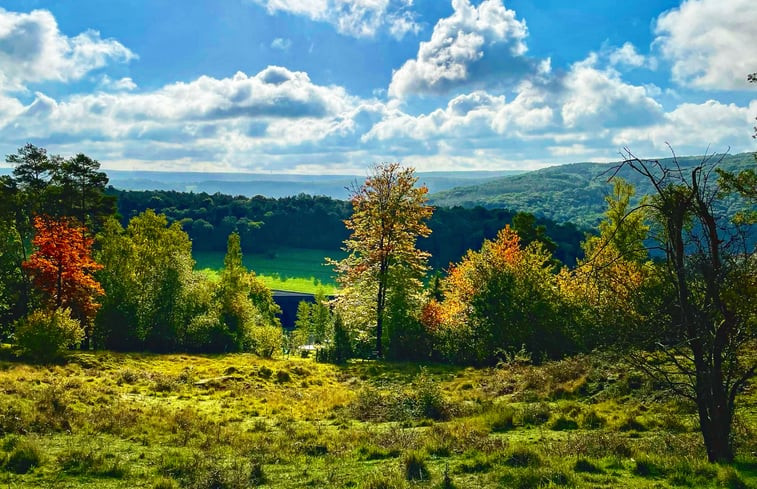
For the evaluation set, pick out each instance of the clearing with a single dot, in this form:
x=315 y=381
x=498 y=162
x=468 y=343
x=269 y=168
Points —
x=233 y=421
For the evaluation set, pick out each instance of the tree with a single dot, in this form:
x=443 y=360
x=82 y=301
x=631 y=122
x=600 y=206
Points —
x=497 y=300
x=82 y=190
x=524 y=223
x=389 y=215
x=62 y=268
x=147 y=268
x=712 y=271
x=244 y=309
x=13 y=282
x=609 y=292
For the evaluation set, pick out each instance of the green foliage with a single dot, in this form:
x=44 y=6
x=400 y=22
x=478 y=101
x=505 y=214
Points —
x=414 y=466
x=46 y=335
x=147 y=267
x=276 y=249
x=25 y=456
x=339 y=349
x=389 y=215
x=266 y=340
x=234 y=421
x=342 y=344
x=13 y=286
x=314 y=320
x=496 y=301
x=565 y=193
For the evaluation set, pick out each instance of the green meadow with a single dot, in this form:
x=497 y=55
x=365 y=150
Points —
x=111 y=420
x=293 y=269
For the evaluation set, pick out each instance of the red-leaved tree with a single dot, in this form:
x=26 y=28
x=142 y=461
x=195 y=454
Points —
x=62 y=267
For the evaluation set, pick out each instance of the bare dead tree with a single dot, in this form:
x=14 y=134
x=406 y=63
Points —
x=707 y=354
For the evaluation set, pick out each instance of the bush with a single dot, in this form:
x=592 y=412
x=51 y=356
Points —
x=266 y=340
x=591 y=420
x=25 y=456
x=46 y=335
x=500 y=418
x=561 y=423
x=583 y=465
x=523 y=457
x=414 y=467
x=429 y=401
x=533 y=414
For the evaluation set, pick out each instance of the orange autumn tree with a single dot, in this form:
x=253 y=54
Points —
x=496 y=300
x=62 y=267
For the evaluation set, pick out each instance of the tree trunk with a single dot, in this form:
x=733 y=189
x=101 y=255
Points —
x=715 y=420
x=380 y=318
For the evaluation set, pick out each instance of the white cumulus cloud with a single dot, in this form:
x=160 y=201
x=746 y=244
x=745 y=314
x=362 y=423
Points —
x=712 y=44
x=455 y=54
x=32 y=49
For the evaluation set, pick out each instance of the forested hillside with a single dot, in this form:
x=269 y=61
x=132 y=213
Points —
x=565 y=193
x=316 y=222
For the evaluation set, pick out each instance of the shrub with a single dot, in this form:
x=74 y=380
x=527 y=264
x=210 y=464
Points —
x=646 y=468
x=591 y=420
x=631 y=423
x=475 y=463
x=523 y=457
x=500 y=418
x=414 y=466
x=561 y=423
x=583 y=465
x=266 y=340
x=429 y=401
x=25 y=456
x=46 y=335
x=531 y=477
x=533 y=414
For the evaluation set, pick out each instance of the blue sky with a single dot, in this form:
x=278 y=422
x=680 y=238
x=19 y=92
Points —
x=334 y=86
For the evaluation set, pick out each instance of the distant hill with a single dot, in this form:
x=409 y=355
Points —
x=281 y=185
x=565 y=193
x=276 y=185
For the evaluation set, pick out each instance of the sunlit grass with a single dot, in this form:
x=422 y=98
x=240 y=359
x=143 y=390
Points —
x=293 y=269
x=142 y=420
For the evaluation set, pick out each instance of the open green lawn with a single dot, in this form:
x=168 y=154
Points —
x=298 y=270
x=235 y=421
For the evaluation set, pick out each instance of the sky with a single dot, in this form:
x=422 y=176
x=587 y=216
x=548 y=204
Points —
x=336 y=86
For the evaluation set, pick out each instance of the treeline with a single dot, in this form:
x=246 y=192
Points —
x=71 y=274
x=317 y=222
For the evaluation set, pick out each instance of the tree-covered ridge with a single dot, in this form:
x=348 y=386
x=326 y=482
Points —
x=565 y=193
x=317 y=222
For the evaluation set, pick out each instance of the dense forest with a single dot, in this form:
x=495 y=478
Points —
x=317 y=222
x=569 y=193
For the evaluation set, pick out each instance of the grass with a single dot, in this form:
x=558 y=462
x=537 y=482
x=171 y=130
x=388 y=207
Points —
x=232 y=421
x=293 y=269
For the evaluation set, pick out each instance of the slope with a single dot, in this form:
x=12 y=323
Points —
x=565 y=193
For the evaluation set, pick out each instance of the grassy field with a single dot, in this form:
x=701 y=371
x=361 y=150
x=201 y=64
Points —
x=298 y=270
x=111 y=420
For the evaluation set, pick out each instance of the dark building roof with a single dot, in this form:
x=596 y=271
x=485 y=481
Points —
x=288 y=302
